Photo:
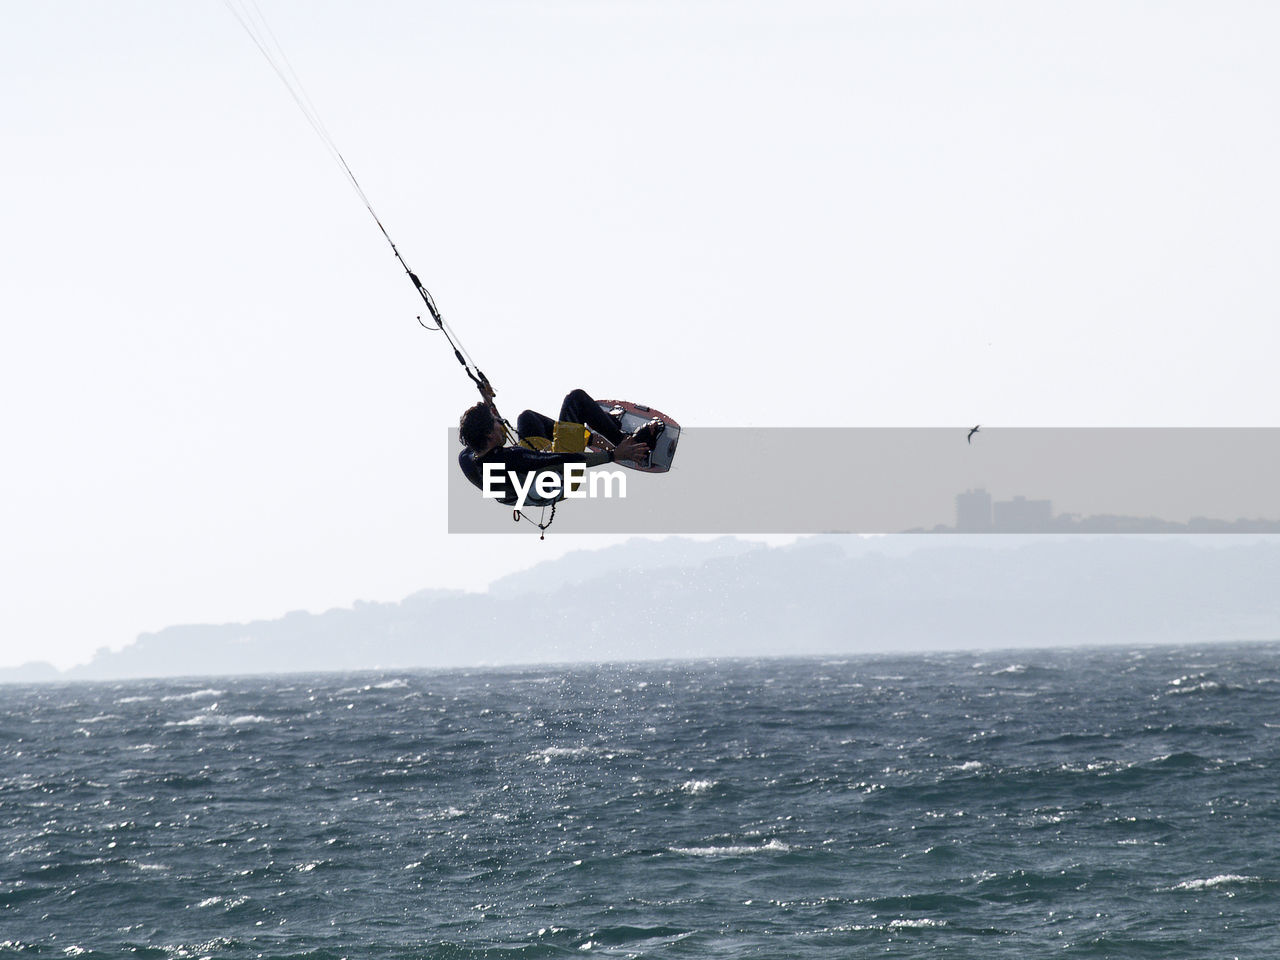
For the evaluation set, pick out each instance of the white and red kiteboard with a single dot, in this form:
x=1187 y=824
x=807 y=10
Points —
x=636 y=415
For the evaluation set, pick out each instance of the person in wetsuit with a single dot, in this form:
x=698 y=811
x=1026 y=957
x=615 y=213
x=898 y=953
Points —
x=481 y=432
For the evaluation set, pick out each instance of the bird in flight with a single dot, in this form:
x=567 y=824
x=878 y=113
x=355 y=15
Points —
x=969 y=438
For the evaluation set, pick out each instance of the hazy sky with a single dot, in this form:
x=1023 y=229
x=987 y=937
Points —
x=216 y=404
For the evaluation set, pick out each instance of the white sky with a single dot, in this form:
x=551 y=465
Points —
x=215 y=403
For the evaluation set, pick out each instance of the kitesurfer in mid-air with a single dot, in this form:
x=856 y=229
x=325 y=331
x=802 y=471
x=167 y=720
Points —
x=484 y=436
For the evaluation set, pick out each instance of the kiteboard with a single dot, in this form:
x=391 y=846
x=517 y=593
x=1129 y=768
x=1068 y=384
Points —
x=631 y=417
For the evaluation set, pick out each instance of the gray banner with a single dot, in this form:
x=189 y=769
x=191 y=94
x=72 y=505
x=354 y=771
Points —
x=891 y=480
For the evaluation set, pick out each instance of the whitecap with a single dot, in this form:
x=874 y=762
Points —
x=1014 y=668
x=217 y=720
x=193 y=695
x=198 y=720
x=732 y=850
x=696 y=787
x=547 y=754
x=1209 y=686
x=1212 y=883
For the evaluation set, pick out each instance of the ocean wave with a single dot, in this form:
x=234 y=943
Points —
x=232 y=902
x=397 y=683
x=1027 y=885
x=695 y=787
x=1213 y=883
x=631 y=937
x=1013 y=668
x=900 y=924
x=1182 y=760
x=193 y=695
x=732 y=850
x=920 y=903
x=1208 y=686
x=1200 y=683
x=547 y=754
x=1071 y=739
x=218 y=720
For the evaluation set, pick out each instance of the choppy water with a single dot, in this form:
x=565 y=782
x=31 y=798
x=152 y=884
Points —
x=1092 y=803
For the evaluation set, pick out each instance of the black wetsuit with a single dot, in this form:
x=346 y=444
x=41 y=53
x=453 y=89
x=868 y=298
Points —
x=578 y=407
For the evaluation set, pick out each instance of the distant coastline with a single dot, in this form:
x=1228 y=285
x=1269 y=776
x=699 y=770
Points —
x=679 y=599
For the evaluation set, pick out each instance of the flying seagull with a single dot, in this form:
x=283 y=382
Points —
x=969 y=438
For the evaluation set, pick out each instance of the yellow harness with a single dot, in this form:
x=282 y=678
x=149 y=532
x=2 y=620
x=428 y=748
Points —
x=567 y=438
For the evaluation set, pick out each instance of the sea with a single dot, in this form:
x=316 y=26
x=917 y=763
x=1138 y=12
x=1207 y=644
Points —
x=1090 y=802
